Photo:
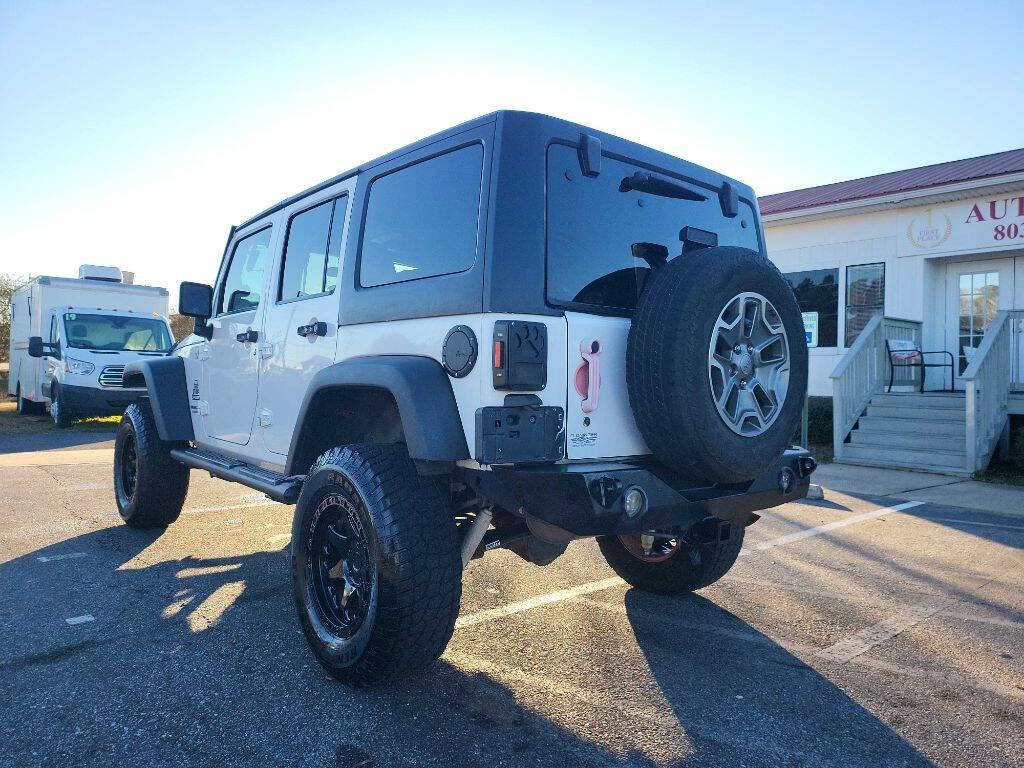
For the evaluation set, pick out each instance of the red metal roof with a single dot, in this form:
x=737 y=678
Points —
x=1011 y=161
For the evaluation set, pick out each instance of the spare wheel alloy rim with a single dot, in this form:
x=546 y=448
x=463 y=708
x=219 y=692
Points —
x=748 y=364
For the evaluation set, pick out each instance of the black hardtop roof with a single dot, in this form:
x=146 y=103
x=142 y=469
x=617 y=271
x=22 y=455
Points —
x=535 y=120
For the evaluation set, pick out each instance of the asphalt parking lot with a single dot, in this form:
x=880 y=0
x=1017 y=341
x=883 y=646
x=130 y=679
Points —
x=852 y=632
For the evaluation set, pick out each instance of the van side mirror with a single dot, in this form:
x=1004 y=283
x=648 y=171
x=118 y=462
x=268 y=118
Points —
x=39 y=348
x=195 y=300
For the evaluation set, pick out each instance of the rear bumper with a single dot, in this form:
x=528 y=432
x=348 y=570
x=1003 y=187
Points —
x=96 y=401
x=587 y=499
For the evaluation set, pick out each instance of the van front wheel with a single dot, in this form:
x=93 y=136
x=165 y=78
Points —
x=60 y=412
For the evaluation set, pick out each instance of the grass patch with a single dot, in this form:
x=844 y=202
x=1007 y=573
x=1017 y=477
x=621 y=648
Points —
x=13 y=423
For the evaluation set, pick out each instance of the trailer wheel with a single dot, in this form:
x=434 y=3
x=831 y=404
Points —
x=60 y=412
x=376 y=567
x=149 y=485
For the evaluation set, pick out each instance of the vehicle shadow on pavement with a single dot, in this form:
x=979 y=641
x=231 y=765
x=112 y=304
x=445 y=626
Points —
x=738 y=693
x=200 y=661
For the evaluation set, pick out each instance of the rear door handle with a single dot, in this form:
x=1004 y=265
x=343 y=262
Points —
x=248 y=336
x=313 y=329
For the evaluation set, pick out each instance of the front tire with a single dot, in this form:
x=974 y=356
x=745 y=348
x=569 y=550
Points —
x=676 y=566
x=149 y=485
x=376 y=567
x=60 y=412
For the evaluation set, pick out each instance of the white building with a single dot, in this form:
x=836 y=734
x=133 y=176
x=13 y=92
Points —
x=941 y=247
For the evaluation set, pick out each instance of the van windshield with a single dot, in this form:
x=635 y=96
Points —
x=604 y=232
x=116 y=333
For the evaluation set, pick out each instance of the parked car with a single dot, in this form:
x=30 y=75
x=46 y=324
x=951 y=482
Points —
x=512 y=334
x=71 y=338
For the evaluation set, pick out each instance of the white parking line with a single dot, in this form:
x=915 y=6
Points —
x=884 y=630
x=81 y=619
x=974 y=522
x=806 y=534
x=52 y=558
x=226 y=507
x=596 y=586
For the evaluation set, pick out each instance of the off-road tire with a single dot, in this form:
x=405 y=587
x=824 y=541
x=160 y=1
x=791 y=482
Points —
x=691 y=567
x=158 y=493
x=27 y=407
x=667 y=368
x=411 y=542
x=59 y=410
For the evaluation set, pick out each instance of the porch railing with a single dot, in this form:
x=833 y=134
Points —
x=987 y=384
x=1017 y=350
x=863 y=371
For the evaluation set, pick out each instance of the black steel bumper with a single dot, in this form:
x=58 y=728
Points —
x=588 y=499
x=95 y=401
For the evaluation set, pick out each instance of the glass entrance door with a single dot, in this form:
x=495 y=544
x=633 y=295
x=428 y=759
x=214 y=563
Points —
x=975 y=292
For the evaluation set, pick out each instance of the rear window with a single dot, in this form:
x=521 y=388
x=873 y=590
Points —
x=422 y=220
x=601 y=228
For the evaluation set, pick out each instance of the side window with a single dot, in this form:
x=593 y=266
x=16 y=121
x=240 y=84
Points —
x=54 y=332
x=422 y=220
x=313 y=251
x=244 y=280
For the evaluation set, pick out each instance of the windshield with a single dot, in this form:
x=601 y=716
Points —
x=116 y=333
x=605 y=232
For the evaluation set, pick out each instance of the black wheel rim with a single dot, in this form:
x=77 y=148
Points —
x=129 y=469
x=339 y=572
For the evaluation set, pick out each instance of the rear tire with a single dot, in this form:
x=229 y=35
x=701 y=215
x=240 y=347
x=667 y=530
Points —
x=27 y=407
x=376 y=567
x=149 y=486
x=671 y=372
x=689 y=567
x=59 y=410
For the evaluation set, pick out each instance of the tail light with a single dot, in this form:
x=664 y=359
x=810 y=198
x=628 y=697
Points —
x=519 y=358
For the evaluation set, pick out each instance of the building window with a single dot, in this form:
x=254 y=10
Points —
x=422 y=220
x=979 y=301
x=865 y=297
x=817 y=290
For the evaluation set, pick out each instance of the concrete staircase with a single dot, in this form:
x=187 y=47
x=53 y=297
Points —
x=911 y=431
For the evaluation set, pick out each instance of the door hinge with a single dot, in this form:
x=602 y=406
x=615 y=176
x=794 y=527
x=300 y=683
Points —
x=265 y=417
x=204 y=408
x=203 y=353
x=266 y=351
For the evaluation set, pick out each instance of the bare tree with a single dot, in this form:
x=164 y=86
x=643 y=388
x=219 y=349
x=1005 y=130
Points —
x=181 y=325
x=9 y=283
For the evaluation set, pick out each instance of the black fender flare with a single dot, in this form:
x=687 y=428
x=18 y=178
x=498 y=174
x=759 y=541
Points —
x=421 y=389
x=167 y=390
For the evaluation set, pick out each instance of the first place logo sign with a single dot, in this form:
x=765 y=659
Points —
x=929 y=232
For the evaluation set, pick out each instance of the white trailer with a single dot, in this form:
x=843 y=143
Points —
x=71 y=338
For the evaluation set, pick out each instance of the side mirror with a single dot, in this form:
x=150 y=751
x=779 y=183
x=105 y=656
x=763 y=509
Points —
x=195 y=300
x=35 y=346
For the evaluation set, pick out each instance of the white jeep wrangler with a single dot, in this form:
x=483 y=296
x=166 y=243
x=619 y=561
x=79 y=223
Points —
x=511 y=334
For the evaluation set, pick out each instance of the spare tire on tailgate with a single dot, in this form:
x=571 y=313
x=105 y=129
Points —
x=717 y=364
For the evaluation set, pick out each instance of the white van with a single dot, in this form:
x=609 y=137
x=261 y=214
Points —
x=71 y=338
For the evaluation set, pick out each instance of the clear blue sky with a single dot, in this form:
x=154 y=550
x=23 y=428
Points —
x=135 y=134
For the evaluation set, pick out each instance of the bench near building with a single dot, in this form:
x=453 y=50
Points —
x=933 y=255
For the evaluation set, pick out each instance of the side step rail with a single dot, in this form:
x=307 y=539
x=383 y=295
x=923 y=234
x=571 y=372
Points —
x=280 y=488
